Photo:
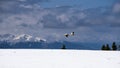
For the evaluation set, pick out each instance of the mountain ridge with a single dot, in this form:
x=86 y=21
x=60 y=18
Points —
x=20 y=38
x=25 y=41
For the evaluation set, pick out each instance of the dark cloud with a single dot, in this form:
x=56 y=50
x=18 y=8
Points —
x=78 y=18
x=8 y=6
x=68 y=17
x=50 y=21
x=13 y=6
x=24 y=25
x=94 y=21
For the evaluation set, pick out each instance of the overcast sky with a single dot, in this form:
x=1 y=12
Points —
x=91 y=20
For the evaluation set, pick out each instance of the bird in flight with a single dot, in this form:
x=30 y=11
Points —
x=72 y=34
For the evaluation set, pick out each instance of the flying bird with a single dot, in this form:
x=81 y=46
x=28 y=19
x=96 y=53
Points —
x=66 y=35
x=72 y=34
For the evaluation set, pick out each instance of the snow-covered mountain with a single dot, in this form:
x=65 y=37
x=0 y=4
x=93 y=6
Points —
x=20 y=38
x=28 y=41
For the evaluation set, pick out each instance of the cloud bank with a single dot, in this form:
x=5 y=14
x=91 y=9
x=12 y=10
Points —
x=93 y=24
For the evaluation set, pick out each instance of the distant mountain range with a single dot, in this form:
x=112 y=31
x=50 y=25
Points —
x=25 y=41
x=20 y=38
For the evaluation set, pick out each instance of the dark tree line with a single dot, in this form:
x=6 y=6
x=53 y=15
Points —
x=113 y=47
x=6 y=45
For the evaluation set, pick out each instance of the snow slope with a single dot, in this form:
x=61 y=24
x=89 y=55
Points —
x=37 y=58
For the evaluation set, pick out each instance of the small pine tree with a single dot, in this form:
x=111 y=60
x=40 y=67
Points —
x=103 y=47
x=114 y=46
x=107 y=47
x=63 y=47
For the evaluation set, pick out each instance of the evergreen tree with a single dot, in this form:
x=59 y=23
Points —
x=63 y=47
x=114 y=46
x=107 y=47
x=103 y=47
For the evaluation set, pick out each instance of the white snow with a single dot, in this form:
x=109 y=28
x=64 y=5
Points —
x=38 y=58
x=37 y=39
x=23 y=37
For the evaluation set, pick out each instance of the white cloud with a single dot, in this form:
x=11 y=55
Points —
x=26 y=6
x=34 y=6
x=63 y=18
x=22 y=0
x=81 y=15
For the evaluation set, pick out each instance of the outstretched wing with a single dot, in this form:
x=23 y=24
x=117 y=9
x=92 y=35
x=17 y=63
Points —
x=66 y=35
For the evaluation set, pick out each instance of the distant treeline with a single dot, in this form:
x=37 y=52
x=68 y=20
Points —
x=113 y=47
x=56 y=45
x=6 y=45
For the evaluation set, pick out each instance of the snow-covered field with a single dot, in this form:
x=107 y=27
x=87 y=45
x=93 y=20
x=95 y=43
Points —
x=37 y=58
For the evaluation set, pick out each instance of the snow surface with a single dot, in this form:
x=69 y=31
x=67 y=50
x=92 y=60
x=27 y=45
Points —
x=38 y=58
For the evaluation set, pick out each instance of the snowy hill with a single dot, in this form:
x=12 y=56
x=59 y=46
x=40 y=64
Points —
x=21 y=58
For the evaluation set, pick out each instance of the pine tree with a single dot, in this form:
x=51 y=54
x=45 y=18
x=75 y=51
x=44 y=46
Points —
x=114 y=46
x=107 y=47
x=63 y=47
x=103 y=47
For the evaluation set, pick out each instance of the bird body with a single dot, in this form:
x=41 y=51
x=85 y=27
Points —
x=72 y=33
